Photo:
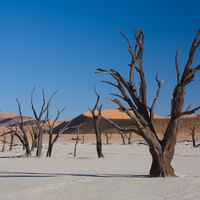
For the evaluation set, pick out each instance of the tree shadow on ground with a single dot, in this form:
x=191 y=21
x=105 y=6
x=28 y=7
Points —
x=7 y=174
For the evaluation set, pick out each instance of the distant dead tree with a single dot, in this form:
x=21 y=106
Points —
x=123 y=137
x=34 y=135
x=21 y=132
x=97 y=130
x=83 y=139
x=128 y=136
x=38 y=119
x=50 y=125
x=4 y=142
x=108 y=136
x=77 y=137
x=162 y=151
x=192 y=133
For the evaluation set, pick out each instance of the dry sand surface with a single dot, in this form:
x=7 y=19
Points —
x=122 y=174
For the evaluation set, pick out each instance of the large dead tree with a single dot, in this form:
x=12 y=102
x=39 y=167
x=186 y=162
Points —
x=38 y=120
x=162 y=151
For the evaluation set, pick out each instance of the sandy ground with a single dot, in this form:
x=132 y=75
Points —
x=122 y=174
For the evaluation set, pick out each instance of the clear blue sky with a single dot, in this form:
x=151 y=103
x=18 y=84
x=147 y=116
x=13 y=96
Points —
x=59 y=44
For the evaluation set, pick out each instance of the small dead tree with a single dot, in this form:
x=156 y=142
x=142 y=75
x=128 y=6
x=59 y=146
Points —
x=162 y=151
x=97 y=130
x=77 y=137
x=123 y=137
x=129 y=136
x=83 y=139
x=50 y=131
x=38 y=119
x=4 y=143
x=192 y=133
x=21 y=133
x=108 y=136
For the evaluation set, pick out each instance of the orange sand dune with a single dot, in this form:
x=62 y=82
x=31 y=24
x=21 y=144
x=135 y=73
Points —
x=114 y=114
x=7 y=115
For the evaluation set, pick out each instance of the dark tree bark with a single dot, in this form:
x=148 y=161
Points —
x=38 y=120
x=123 y=137
x=4 y=143
x=77 y=139
x=83 y=139
x=162 y=151
x=34 y=135
x=192 y=133
x=52 y=140
x=11 y=141
x=97 y=130
x=129 y=136
x=21 y=133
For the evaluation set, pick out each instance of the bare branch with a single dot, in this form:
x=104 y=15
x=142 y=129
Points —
x=177 y=68
x=190 y=111
x=124 y=109
x=33 y=108
x=193 y=49
x=156 y=98
x=120 y=128
x=110 y=83
x=118 y=96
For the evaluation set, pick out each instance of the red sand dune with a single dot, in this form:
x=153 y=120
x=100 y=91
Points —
x=120 y=118
x=123 y=120
x=114 y=114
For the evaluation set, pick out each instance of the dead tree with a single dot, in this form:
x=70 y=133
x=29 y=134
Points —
x=108 y=136
x=4 y=143
x=77 y=137
x=192 y=133
x=21 y=132
x=97 y=130
x=38 y=119
x=34 y=135
x=162 y=151
x=50 y=131
x=83 y=139
x=123 y=137
x=128 y=137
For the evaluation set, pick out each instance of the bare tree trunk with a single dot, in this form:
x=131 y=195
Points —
x=128 y=137
x=83 y=139
x=123 y=137
x=97 y=130
x=193 y=141
x=11 y=141
x=4 y=143
x=192 y=133
x=39 y=146
x=49 y=151
x=34 y=143
x=108 y=137
x=77 y=138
